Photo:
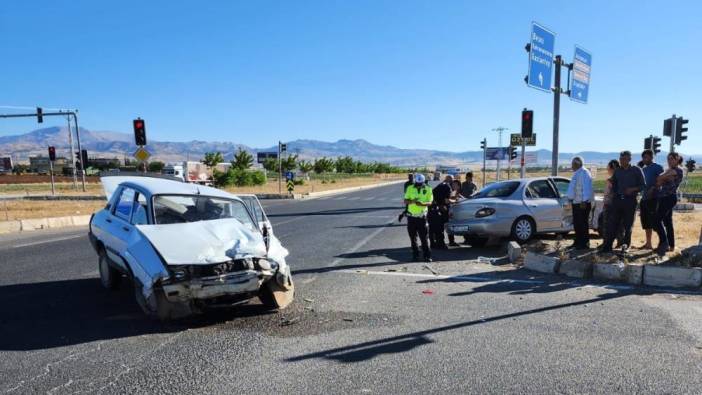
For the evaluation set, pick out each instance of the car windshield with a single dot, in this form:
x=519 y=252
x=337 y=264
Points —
x=498 y=189
x=176 y=209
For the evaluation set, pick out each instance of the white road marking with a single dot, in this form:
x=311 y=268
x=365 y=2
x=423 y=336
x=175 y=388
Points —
x=47 y=241
x=460 y=277
x=340 y=198
x=368 y=198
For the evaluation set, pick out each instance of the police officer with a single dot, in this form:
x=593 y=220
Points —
x=438 y=213
x=418 y=198
x=408 y=183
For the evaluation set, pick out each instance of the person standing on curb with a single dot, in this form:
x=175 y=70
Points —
x=418 y=198
x=669 y=181
x=627 y=181
x=607 y=201
x=408 y=183
x=649 y=198
x=581 y=197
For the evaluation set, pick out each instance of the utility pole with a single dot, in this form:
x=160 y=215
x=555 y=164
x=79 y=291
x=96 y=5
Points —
x=556 y=113
x=483 y=145
x=499 y=130
x=280 y=171
x=80 y=149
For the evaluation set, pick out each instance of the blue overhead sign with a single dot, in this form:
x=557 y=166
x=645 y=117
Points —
x=580 y=78
x=540 y=57
x=497 y=153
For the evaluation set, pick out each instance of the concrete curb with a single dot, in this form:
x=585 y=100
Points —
x=29 y=225
x=53 y=197
x=314 y=195
x=652 y=275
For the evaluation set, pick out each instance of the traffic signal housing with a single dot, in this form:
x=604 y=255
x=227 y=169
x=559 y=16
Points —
x=84 y=158
x=648 y=143
x=139 y=132
x=40 y=115
x=691 y=165
x=512 y=153
x=52 y=153
x=527 y=123
x=283 y=147
x=668 y=127
x=680 y=130
x=656 y=145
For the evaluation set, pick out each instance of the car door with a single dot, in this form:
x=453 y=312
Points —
x=562 y=188
x=119 y=224
x=543 y=202
x=254 y=205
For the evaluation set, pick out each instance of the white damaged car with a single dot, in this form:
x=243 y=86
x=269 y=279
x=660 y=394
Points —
x=187 y=247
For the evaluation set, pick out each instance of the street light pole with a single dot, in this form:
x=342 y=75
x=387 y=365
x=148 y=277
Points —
x=72 y=155
x=499 y=130
x=80 y=148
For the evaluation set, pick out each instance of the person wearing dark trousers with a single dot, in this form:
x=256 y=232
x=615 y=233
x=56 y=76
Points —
x=581 y=196
x=668 y=181
x=408 y=183
x=418 y=198
x=607 y=202
x=649 y=199
x=627 y=182
x=438 y=213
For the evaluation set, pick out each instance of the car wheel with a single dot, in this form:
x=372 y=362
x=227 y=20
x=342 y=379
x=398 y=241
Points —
x=158 y=307
x=275 y=297
x=109 y=276
x=523 y=229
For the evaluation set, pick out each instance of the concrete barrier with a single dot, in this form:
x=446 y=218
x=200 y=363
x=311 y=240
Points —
x=541 y=263
x=514 y=251
x=671 y=276
x=59 y=222
x=34 y=224
x=576 y=268
x=10 y=226
x=618 y=272
x=80 y=220
x=313 y=195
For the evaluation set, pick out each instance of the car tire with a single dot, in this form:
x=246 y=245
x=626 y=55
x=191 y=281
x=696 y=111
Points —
x=523 y=229
x=109 y=276
x=275 y=297
x=158 y=307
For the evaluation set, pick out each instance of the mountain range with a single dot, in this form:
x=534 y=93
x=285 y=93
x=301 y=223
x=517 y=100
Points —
x=121 y=145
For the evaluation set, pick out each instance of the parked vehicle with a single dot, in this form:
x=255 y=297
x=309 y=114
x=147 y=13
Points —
x=192 y=171
x=187 y=247
x=519 y=209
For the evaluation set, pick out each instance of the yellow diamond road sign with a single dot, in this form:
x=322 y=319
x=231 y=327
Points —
x=142 y=154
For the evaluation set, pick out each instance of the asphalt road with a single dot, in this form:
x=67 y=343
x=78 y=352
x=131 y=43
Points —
x=364 y=321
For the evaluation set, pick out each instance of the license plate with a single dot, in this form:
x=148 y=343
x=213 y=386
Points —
x=460 y=228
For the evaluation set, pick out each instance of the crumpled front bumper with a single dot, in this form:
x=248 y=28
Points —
x=242 y=282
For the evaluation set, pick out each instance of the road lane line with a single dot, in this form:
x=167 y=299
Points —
x=460 y=277
x=354 y=198
x=355 y=248
x=47 y=241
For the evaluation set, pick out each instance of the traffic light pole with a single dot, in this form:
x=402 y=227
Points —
x=522 y=171
x=673 y=132
x=80 y=149
x=556 y=114
x=51 y=171
x=484 y=161
x=73 y=157
x=280 y=172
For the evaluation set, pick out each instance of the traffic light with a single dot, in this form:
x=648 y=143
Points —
x=52 y=153
x=139 y=131
x=527 y=123
x=483 y=144
x=680 y=130
x=283 y=147
x=690 y=164
x=40 y=115
x=668 y=127
x=656 y=147
x=84 y=158
x=512 y=153
x=648 y=142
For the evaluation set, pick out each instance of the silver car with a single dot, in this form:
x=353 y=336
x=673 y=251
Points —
x=519 y=209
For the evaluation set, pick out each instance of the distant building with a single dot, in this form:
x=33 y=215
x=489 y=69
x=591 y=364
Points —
x=40 y=164
x=5 y=164
x=104 y=163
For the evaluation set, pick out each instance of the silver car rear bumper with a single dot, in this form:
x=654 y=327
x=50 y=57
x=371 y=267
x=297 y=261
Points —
x=480 y=227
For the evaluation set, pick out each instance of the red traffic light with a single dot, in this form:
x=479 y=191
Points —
x=52 y=153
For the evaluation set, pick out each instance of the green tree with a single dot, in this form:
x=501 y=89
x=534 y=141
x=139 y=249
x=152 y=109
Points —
x=212 y=159
x=156 y=166
x=305 y=166
x=20 y=169
x=242 y=160
x=289 y=163
x=345 y=165
x=323 y=165
x=270 y=164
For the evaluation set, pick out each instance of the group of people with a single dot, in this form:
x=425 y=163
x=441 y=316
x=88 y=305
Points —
x=658 y=191
x=427 y=211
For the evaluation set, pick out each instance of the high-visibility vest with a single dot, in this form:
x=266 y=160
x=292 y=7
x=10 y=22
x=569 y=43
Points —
x=423 y=195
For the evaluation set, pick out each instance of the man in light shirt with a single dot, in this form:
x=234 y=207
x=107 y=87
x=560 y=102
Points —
x=581 y=197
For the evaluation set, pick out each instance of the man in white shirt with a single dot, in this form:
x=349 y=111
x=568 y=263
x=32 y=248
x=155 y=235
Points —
x=581 y=197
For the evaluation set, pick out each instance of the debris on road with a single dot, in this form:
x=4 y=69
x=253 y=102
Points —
x=288 y=321
x=308 y=300
x=434 y=272
x=348 y=319
x=428 y=292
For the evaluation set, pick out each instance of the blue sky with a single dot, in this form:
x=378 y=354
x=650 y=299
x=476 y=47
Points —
x=414 y=74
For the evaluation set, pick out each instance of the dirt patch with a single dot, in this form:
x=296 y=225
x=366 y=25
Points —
x=319 y=185
x=27 y=209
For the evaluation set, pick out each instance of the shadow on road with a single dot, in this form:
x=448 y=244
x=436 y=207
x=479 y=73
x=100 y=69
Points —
x=59 y=313
x=341 y=211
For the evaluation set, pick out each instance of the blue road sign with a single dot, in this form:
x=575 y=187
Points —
x=497 y=153
x=541 y=57
x=289 y=176
x=580 y=77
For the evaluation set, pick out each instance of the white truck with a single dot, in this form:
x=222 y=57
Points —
x=193 y=172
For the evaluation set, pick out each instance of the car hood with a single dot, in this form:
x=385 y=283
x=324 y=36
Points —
x=207 y=242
